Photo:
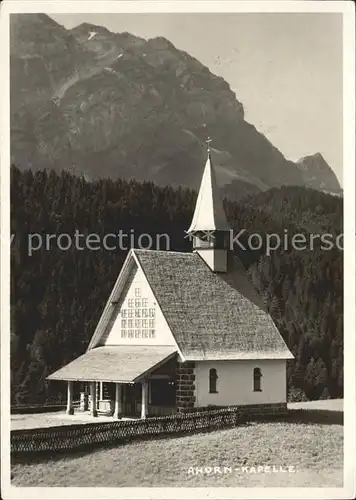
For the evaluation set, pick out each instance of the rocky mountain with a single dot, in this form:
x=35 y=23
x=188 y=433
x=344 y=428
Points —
x=317 y=174
x=105 y=104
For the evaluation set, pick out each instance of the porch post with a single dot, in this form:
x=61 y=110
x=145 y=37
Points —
x=118 y=406
x=144 y=399
x=101 y=391
x=70 y=409
x=94 y=412
x=86 y=398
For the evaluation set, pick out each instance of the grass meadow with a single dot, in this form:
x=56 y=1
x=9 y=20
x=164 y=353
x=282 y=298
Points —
x=313 y=449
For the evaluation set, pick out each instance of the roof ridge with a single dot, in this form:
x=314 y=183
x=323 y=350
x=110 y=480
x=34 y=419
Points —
x=143 y=250
x=131 y=345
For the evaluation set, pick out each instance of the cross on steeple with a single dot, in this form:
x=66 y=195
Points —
x=208 y=141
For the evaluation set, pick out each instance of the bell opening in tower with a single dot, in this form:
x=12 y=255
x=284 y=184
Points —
x=211 y=239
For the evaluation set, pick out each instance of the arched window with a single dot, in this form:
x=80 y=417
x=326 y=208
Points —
x=213 y=376
x=257 y=375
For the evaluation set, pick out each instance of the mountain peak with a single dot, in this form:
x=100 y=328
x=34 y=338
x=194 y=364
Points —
x=159 y=42
x=86 y=28
x=317 y=173
x=316 y=157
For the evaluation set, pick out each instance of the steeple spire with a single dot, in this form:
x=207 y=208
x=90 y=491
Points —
x=209 y=226
x=209 y=212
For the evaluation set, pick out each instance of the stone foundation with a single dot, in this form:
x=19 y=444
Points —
x=272 y=409
x=185 y=387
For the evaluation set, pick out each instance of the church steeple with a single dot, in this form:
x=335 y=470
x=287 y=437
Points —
x=209 y=227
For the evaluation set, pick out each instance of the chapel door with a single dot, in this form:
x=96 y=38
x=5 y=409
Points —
x=132 y=398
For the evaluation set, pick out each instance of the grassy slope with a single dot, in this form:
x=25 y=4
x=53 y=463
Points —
x=336 y=405
x=315 y=451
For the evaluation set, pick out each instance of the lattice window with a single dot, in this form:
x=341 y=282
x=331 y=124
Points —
x=138 y=319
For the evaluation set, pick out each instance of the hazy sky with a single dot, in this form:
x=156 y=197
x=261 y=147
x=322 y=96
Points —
x=286 y=69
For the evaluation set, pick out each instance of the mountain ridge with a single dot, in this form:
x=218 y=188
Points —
x=104 y=104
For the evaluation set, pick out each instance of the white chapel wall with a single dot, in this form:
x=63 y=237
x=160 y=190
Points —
x=140 y=320
x=235 y=382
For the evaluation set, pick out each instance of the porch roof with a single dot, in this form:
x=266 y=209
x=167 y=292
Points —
x=124 y=363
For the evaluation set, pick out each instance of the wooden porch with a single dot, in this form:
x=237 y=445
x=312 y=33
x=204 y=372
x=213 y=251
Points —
x=153 y=396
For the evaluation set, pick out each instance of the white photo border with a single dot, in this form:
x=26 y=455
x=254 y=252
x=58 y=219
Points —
x=347 y=9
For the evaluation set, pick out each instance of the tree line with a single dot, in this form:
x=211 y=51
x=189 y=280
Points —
x=57 y=296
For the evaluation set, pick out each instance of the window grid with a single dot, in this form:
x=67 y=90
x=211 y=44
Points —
x=137 y=319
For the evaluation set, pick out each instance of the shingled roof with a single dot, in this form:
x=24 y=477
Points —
x=211 y=315
x=121 y=363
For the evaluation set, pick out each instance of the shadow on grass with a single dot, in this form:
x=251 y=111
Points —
x=298 y=416
x=306 y=416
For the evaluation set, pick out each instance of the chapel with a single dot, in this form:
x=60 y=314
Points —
x=181 y=332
